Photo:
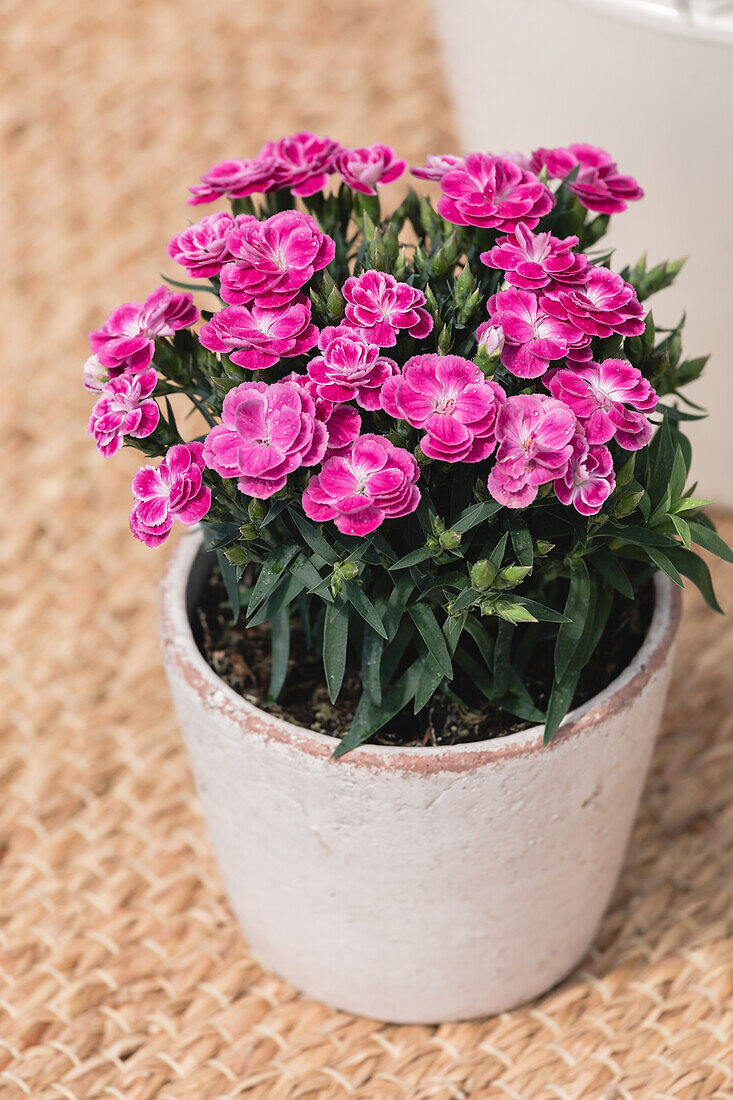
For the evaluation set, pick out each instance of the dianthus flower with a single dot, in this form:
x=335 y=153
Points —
x=350 y=367
x=599 y=186
x=125 y=408
x=493 y=193
x=173 y=490
x=602 y=305
x=380 y=305
x=534 y=434
x=589 y=478
x=358 y=490
x=362 y=169
x=235 y=179
x=533 y=338
x=449 y=398
x=301 y=162
x=94 y=376
x=126 y=340
x=266 y=433
x=202 y=248
x=438 y=166
x=532 y=260
x=490 y=337
x=610 y=399
x=343 y=422
x=255 y=337
x=272 y=260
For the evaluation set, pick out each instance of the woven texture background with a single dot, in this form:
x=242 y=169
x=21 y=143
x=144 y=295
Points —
x=121 y=971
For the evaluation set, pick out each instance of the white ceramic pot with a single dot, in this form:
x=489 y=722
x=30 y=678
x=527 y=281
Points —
x=419 y=884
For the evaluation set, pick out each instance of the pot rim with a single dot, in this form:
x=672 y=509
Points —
x=180 y=649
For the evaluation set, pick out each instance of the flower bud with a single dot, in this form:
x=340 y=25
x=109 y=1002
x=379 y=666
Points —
x=349 y=570
x=449 y=540
x=482 y=574
x=248 y=531
x=513 y=612
x=337 y=583
x=257 y=510
x=627 y=503
x=237 y=555
x=543 y=547
x=512 y=575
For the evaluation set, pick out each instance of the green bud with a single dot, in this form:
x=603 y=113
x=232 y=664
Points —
x=335 y=304
x=431 y=222
x=432 y=543
x=627 y=503
x=513 y=612
x=421 y=258
x=449 y=540
x=444 y=341
x=231 y=370
x=257 y=510
x=237 y=555
x=483 y=573
x=468 y=309
x=464 y=285
x=438 y=526
x=543 y=547
x=337 y=583
x=626 y=472
x=248 y=531
x=349 y=570
x=512 y=575
x=421 y=458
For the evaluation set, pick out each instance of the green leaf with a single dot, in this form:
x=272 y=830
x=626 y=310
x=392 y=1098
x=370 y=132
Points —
x=361 y=602
x=660 y=559
x=310 y=578
x=710 y=540
x=400 y=594
x=682 y=528
x=230 y=577
x=271 y=573
x=314 y=538
x=370 y=717
x=541 y=613
x=283 y=594
x=561 y=697
x=483 y=640
x=576 y=610
x=335 y=641
x=661 y=461
x=429 y=682
x=432 y=635
x=497 y=554
x=502 y=648
x=638 y=536
x=679 y=475
x=610 y=569
x=280 y=652
x=694 y=568
x=522 y=543
x=371 y=659
x=413 y=558
x=477 y=513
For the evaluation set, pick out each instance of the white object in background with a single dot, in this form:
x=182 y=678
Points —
x=653 y=84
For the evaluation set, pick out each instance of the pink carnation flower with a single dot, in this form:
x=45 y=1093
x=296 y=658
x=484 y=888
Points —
x=604 y=304
x=273 y=259
x=450 y=399
x=362 y=169
x=301 y=162
x=490 y=337
x=343 y=422
x=372 y=482
x=532 y=336
x=125 y=408
x=438 y=166
x=235 y=179
x=589 y=478
x=126 y=340
x=493 y=193
x=255 y=337
x=266 y=433
x=599 y=185
x=610 y=399
x=532 y=260
x=202 y=248
x=534 y=433
x=172 y=490
x=94 y=376
x=350 y=367
x=380 y=305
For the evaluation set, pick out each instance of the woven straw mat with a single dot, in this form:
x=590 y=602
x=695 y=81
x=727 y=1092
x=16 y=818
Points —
x=122 y=974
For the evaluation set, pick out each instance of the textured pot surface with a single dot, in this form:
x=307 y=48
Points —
x=423 y=884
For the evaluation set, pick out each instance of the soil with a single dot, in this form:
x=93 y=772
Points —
x=241 y=658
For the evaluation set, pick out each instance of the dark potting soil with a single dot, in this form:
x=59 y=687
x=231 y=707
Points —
x=241 y=657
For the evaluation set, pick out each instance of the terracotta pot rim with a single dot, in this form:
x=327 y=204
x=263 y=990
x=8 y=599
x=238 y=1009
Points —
x=180 y=650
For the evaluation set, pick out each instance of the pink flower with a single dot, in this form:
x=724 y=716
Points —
x=302 y=162
x=202 y=248
x=493 y=193
x=377 y=303
x=362 y=169
x=589 y=478
x=172 y=490
x=273 y=259
x=490 y=337
x=610 y=399
x=534 y=433
x=450 y=399
x=532 y=260
x=604 y=304
x=532 y=336
x=350 y=367
x=124 y=409
x=266 y=433
x=372 y=482
x=94 y=376
x=126 y=340
x=255 y=337
x=233 y=178
x=343 y=422
x=599 y=185
x=437 y=166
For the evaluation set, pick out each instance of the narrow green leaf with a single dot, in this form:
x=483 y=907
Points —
x=679 y=474
x=576 y=609
x=230 y=577
x=610 y=569
x=404 y=586
x=371 y=659
x=483 y=640
x=682 y=528
x=497 y=554
x=369 y=717
x=361 y=602
x=432 y=635
x=695 y=569
x=335 y=641
x=541 y=613
x=661 y=460
x=413 y=558
x=271 y=573
x=710 y=540
x=306 y=572
x=474 y=515
x=429 y=682
x=280 y=652
x=502 y=649
x=314 y=538
x=561 y=697
x=283 y=594
x=660 y=559
x=638 y=536
x=522 y=543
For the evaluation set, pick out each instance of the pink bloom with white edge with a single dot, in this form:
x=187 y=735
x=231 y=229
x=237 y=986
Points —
x=363 y=168
x=235 y=179
x=602 y=305
x=589 y=478
x=372 y=482
x=300 y=162
x=533 y=338
x=272 y=260
x=125 y=408
x=610 y=399
x=599 y=186
x=534 y=434
x=266 y=433
x=493 y=193
x=173 y=490
x=94 y=376
x=202 y=248
x=532 y=260
x=343 y=422
x=449 y=398
x=490 y=337
x=379 y=304
x=126 y=340
x=438 y=166
x=254 y=337
x=350 y=367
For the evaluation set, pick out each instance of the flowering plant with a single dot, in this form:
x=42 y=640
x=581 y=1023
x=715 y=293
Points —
x=444 y=437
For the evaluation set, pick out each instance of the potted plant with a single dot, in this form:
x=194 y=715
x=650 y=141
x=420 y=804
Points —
x=420 y=633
